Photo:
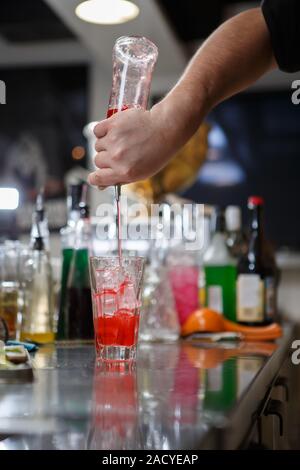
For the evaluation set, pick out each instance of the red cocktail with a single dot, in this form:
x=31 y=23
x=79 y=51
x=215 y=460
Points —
x=116 y=291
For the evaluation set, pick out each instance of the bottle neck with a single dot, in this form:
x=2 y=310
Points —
x=256 y=232
x=38 y=244
x=40 y=229
x=73 y=216
x=83 y=234
x=256 y=221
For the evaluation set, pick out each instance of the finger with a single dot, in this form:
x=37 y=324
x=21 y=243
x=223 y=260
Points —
x=103 y=177
x=101 y=188
x=102 y=160
x=100 y=145
x=100 y=130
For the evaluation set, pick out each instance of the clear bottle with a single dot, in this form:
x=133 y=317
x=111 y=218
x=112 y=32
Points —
x=236 y=239
x=257 y=273
x=68 y=234
x=79 y=315
x=37 y=322
x=220 y=271
x=133 y=59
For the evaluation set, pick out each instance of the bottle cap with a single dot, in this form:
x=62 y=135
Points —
x=84 y=210
x=255 y=201
x=233 y=217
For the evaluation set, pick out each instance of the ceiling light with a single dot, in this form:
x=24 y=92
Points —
x=107 y=11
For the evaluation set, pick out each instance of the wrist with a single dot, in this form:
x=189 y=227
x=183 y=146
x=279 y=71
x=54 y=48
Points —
x=179 y=115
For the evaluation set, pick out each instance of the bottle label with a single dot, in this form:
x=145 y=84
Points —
x=250 y=298
x=270 y=297
x=215 y=298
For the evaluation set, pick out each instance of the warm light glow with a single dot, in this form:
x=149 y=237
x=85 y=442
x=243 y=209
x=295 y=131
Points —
x=78 y=152
x=9 y=199
x=107 y=11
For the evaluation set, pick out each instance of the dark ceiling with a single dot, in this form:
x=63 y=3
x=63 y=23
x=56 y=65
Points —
x=196 y=19
x=31 y=20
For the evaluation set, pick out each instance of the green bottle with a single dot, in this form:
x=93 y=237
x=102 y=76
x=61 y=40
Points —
x=79 y=313
x=220 y=271
x=67 y=234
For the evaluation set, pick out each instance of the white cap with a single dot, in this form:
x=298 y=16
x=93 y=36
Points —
x=233 y=217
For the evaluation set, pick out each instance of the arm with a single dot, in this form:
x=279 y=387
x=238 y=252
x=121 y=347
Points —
x=137 y=145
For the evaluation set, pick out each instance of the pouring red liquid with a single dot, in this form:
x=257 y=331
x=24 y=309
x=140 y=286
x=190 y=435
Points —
x=111 y=112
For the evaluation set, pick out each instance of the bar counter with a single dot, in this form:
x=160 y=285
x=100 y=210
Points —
x=182 y=395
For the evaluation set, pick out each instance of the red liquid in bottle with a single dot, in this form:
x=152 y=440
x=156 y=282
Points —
x=111 y=112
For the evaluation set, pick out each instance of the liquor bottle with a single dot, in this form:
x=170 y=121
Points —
x=67 y=235
x=257 y=273
x=40 y=221
x=220 y=271
x=79 y=316
x=37 y=321
x=236 y=239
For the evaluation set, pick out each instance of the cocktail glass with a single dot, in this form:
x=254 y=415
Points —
x=116 y=286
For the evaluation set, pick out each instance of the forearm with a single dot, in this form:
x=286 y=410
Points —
x=235 y=55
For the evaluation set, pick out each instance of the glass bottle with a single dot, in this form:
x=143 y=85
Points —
x=236 y=240
x=67 y=235
x=133 y=59
x=40 y=221
x=79 y=316
x=257 y=273
x=220 y=271
x=37 y=321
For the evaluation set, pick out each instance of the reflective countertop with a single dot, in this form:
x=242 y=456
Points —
x=177 y=396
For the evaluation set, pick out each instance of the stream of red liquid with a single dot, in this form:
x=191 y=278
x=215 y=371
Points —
x=111 y=112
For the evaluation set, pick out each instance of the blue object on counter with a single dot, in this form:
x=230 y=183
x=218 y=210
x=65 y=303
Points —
x=29 y=346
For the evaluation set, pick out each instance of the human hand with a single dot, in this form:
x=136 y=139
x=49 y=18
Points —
x=131 y=146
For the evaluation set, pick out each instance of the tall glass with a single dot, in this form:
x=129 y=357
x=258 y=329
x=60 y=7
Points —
x=116 y=295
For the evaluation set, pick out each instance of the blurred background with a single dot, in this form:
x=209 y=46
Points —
x=57 y=71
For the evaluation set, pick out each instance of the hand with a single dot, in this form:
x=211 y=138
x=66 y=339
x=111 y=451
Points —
x=130 y=146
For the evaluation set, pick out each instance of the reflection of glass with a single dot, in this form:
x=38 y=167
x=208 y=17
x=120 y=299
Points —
x=116 y=295
x=155 y=384
x=247 y=368
x=184 y=397
x=115 y=408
